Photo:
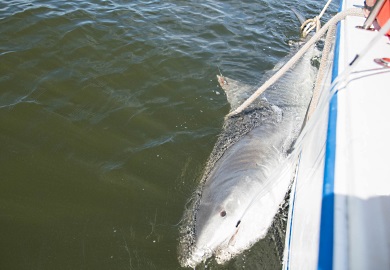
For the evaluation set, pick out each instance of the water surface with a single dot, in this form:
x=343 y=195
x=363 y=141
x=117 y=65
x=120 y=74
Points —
x=108 y=112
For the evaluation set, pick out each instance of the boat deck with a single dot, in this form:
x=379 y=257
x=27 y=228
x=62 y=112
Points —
x=361 y=149
x=340 y=208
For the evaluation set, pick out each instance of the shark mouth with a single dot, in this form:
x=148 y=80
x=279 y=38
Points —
x=226 y=252
x=222 y=253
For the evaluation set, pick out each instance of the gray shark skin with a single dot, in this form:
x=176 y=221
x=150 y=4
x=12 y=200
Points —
x=249 y=170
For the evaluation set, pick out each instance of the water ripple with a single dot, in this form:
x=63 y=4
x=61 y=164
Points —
x=109 y=109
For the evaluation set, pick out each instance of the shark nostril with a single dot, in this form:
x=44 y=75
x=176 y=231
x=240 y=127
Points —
x=238 y=223
x=223 y=213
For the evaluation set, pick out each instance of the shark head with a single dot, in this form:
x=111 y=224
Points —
x=230 y=221
x=217 y=228
x=222 y=221
x=218 y=219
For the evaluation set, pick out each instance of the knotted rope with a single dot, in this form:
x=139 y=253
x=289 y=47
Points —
x=315 y=22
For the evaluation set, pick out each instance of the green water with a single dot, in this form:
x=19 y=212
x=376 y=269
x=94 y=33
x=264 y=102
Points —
x=108 y=112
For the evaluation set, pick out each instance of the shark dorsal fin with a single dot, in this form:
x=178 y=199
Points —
x=299 y=16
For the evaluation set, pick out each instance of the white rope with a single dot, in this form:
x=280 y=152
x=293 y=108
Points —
x=324 y=9
x=341 y=82
x=321 y=71
x=338 y=17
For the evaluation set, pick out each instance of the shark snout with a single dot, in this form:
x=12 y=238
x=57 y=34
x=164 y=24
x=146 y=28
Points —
x=198 y=255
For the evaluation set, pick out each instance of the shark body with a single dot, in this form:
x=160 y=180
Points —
x=250 y=168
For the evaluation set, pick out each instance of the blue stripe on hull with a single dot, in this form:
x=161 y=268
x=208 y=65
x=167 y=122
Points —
x=325 y=256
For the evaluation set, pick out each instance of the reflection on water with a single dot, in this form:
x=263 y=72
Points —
x=108 y=111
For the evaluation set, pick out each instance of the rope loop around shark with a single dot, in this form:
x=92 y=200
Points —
x=309 y=25
x=252 y=164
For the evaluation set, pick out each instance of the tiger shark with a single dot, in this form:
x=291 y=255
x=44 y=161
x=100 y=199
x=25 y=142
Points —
x=250 y=168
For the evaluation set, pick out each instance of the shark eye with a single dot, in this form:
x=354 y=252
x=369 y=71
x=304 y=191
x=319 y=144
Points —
x=223 y=213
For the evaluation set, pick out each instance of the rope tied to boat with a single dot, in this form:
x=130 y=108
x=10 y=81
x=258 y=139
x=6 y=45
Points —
x=315 y=38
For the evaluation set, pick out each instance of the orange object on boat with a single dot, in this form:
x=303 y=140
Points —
x=384 y=14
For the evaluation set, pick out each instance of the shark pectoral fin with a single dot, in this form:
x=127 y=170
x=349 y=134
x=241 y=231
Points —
x=236 y=92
